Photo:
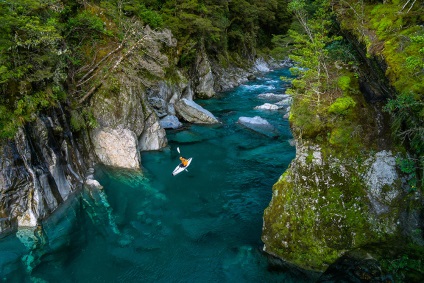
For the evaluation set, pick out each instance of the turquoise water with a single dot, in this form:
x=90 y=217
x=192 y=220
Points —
x=203 y=225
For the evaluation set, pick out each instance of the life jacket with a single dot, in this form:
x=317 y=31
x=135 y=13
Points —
x=184 y=161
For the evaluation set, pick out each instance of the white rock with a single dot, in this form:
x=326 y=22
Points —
x=268 y=106
x=194 y=113
x=116 y=147
x=170 y=122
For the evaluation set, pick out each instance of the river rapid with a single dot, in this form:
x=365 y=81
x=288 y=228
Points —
x=203 y=225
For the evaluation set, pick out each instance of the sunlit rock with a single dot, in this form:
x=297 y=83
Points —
x=273 y=96
x=268 y=106
x=116 y=147
x=194 y=113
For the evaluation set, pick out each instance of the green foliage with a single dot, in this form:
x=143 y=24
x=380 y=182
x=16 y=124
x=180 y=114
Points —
x=408 y=166
x=342 y=105
x=344 y=83
x=340 y=136
x=29 y=61
x=404 y=267
x=84 y=119
x=408 y=118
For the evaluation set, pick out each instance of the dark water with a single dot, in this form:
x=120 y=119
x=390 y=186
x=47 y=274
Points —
x=203 y=225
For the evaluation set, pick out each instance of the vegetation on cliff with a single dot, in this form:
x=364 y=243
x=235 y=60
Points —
x=328 y=201
x=62 y=51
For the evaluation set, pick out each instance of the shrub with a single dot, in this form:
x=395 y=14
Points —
x=342 y=105
x=344 y=83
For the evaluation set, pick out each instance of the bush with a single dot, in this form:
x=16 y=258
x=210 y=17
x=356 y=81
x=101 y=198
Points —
x=344 y=83
x=342 y=105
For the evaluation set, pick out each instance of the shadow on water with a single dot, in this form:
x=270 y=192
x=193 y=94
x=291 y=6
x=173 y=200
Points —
x=203 y=225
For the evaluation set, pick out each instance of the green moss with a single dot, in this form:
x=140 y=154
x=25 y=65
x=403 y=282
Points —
x=342 y=105
x=344 y=83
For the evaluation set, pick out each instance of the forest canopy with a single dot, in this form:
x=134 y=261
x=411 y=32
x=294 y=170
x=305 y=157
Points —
x=45 y=45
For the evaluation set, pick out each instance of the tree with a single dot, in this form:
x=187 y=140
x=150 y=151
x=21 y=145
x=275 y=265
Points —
x=30 y=69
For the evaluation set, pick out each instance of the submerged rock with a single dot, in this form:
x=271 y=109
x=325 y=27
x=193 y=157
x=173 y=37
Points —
x=194 y=113
x=258 y=125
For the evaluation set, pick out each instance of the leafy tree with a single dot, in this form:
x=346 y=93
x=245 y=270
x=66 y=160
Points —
x=30 y=69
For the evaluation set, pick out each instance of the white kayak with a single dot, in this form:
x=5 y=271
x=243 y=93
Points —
x=180 y=168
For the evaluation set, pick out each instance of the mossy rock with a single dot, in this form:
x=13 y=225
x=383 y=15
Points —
x=321 y=208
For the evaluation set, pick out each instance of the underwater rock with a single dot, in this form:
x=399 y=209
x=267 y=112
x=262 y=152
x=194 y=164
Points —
x=258 y=125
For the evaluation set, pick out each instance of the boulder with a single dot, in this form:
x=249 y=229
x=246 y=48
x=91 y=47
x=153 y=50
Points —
x=268 y=106
x=116 y=147
x=194 y=113
x=273 y=96
x=170 y=122
x=285 y=102
x=258 y=125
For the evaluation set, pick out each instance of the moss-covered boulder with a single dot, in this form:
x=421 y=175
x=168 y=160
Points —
x=326 y=204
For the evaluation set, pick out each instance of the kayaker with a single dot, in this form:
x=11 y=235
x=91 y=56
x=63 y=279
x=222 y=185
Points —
x=184 y=161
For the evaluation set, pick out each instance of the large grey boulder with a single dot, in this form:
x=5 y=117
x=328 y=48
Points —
x=116 y=147
x=170 y=122
x=194 y=113
x=268 y=106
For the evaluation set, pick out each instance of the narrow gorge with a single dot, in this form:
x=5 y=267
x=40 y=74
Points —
x=305 y=129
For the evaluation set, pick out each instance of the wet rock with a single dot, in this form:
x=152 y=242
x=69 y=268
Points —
x=285 y=102
x=273 y=96
x=258 y=125
x=268 y=106
x=194 y=113
x=355 y=266
x=39 y=169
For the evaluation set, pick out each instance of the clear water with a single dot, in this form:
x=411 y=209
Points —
x=203 y=225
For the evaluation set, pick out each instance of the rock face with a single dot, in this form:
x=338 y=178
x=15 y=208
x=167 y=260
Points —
x=325 y=204
x=194 y=113
x=40 y=169
x=204 y=79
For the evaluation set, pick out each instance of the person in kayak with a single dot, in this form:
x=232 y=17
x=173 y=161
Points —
x=184 y=161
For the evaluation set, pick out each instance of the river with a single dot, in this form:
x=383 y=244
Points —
x=203 y=225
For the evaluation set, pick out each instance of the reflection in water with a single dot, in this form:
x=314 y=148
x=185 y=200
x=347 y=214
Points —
x=203 y=225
